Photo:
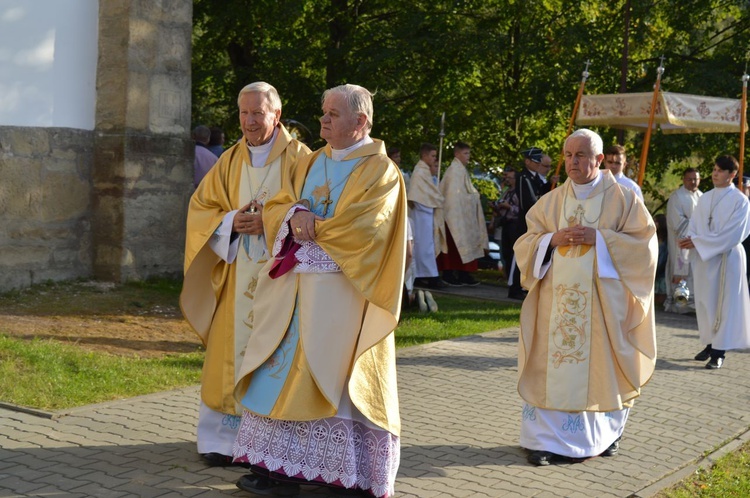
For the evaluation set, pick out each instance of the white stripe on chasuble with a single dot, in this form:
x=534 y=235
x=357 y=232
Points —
x=569 y=346
x=258 y=184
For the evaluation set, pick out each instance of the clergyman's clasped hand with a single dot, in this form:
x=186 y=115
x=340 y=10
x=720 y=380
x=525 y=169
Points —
x=574 y=236
x=249 y=220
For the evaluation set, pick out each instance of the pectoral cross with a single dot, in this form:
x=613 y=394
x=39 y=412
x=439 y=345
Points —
x=577 y=216
x=326 y=202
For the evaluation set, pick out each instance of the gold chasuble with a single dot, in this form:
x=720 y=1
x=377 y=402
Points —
x=588 y=342
x=366 y=237
x=217 y=298
x=463 y=214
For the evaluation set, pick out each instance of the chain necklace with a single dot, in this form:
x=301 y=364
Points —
x=327 y=200
x=580 y=213
x=254 y=197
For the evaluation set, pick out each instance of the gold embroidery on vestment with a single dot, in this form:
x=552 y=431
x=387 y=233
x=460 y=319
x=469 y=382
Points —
x=571 y=323
x=251 y=286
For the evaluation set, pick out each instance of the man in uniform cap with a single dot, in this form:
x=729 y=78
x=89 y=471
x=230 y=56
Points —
x=530 y=187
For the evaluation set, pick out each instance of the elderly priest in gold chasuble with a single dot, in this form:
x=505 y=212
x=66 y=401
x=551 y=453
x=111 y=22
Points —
x=224 y=252
x=319 y=375
x=587 y=342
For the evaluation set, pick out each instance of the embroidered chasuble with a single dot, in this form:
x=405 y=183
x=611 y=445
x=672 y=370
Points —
x=588 y=341
x=327 y=326
x=463 y=213
x=218 y=298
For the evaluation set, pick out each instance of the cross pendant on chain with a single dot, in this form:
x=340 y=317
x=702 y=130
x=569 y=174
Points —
x=578 y=214
x=326 y=202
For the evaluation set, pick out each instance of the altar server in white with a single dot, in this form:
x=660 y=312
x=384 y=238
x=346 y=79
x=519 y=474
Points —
x=717 y=228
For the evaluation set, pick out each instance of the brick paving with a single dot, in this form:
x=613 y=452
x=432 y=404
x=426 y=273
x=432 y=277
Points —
x=461 y=416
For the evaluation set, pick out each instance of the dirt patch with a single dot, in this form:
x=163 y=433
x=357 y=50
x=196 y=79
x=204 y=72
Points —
x=140 y=319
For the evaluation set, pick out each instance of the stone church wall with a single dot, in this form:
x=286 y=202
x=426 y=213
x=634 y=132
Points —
x=45 y=205
x=108 y=203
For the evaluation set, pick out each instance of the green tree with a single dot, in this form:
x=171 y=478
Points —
x=504 y=72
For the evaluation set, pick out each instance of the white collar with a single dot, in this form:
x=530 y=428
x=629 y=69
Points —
x=583 y=191
x=340 y=154
x=259 y=154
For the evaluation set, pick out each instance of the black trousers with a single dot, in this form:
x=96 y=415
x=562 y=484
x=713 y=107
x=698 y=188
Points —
x=511 y=233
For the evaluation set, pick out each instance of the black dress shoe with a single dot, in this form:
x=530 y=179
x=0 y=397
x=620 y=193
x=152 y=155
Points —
x=217 y=459
x=451 y=280
x=704 y=355
x=260 y=485
x=465 y=279
x=715 y=363
x=437 y=283
x=613 y=449
x=542 y=458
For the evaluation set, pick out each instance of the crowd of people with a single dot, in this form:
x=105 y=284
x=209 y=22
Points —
x=298 y=264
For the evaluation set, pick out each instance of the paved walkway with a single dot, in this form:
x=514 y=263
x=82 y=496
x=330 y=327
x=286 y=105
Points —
x=460 y=415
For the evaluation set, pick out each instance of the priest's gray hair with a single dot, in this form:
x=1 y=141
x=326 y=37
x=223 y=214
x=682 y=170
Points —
x=358 y=98
x=595 y=141
x=272 y=96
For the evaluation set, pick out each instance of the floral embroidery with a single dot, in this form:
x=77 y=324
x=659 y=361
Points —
x=319 y=193
x=703 y=110
x=571 y=322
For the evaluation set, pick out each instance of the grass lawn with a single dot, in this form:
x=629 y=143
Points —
x=48 y=375
x=74 y=344
x=456 y=317
x=728 y=477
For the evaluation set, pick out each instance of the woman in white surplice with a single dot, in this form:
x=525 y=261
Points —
x=717 y=228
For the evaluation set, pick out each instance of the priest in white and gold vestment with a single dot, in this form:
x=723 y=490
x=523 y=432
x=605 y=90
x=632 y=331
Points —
x=319 y=374
x=466 y=238
x=225 y=250
x=587 y=342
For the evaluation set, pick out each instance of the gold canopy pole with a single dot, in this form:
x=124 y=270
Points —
x=647 y=138
x=440 y=150
x=584 y=77
x=743 y=122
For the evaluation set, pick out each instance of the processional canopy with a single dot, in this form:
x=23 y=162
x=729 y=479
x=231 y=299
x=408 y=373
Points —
x=675 y=112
